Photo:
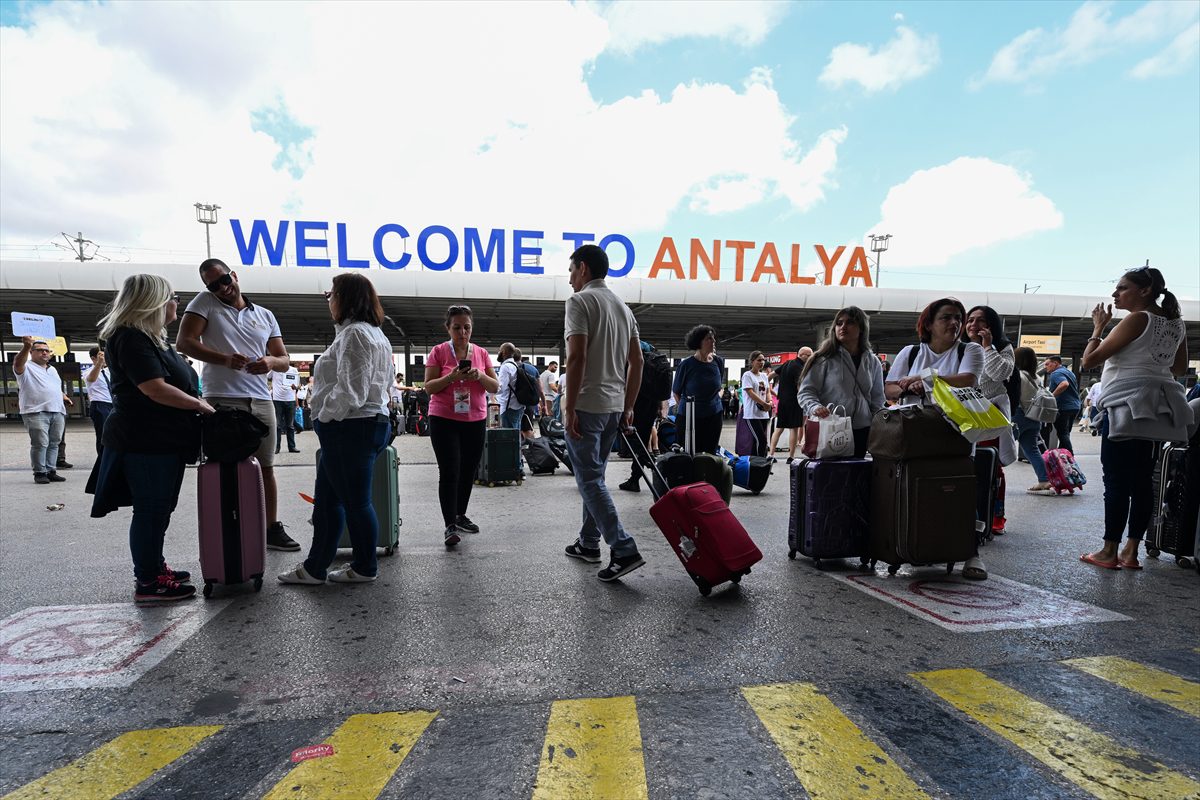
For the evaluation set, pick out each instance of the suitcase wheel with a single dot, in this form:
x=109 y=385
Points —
x=389 y=551
x=950 y=568
x=704 y=586
x=258 y=583
x=207 y=590
x=756 y=491
x=1184 y=561
x=817 y=563
x=737 y=578
x=893 y=569
x=791 y=555
x=865 y=565
x=1152 y=552
x=491 y=484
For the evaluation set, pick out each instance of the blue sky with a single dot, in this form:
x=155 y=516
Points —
x=1043 y=143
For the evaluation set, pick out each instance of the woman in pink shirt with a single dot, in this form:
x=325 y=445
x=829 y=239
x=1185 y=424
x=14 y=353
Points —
x=458 y=376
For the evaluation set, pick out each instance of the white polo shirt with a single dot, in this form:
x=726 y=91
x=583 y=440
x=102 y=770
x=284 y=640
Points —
x=282 y=383
x=98 y=391
x=41 y=390
x=233 y=331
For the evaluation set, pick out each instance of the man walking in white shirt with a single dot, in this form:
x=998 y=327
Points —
x=43 y=407
x=98 y=393
x=511 y=409
x=283 y=396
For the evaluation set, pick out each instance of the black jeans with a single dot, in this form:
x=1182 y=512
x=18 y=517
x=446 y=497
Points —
x=643 y=423
x=860 y=441
x=758 y=428
x=1062 y=428
x=1128 y=492
x=708 y=431
x=457 y=446
x=99 y=412
x=285 y=421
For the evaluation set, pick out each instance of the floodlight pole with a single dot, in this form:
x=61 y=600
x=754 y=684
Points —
x=879 y=244
x=207 y=214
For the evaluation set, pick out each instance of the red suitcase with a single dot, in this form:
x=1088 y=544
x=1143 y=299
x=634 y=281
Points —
x=233 y=523
x=708 y=539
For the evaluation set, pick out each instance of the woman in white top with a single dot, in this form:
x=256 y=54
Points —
x=349 y=410
x=986 y=328
x=1142 y=402
x=956 y=362
x=756 y=407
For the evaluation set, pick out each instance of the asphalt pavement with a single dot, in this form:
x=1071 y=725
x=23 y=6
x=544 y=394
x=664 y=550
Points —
x=504 y=669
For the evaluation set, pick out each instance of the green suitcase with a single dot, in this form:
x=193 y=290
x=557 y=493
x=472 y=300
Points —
x=385 y=496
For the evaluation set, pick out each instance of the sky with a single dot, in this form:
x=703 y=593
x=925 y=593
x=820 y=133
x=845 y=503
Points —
x=1006 y=146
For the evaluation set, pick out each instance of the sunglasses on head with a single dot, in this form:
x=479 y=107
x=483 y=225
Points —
x=216 y=285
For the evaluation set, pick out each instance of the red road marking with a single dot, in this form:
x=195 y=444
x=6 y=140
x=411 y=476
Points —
x=953 y=593
x=311 y=751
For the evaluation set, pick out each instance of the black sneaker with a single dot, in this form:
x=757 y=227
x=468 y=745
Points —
x=54 y=477
x=631 y=485
x=464 y=524
x=277 y=538
x=620 y=566
x=162 y=590
x=41 y=477
x=177 y=575
x=297 y=450
x=588 y=554
x=452 y=537
x=64 y=465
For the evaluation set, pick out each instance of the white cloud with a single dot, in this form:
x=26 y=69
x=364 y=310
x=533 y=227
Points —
x=638 y=23
x=1174 y=59
x=1091 y=34
x=906 y=57
x=968 y=204
x=418 y=113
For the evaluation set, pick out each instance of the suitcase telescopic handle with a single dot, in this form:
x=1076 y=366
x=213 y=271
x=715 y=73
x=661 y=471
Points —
x=637 y=461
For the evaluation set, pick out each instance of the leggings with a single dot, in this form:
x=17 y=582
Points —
x=758 y=429
x=458 y=446
x=1128 y=493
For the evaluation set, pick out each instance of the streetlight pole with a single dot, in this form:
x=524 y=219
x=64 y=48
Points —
x=879 y=244
x=207 y=214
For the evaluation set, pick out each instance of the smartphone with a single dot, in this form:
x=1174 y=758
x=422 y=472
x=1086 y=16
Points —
x=464 y=365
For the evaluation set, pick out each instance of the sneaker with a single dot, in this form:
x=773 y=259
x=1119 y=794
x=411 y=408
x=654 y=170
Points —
x=54 y=477
x=41 y=477
x=299 y=575
x=464 y=524
x=620 y=566
x=162 y=590
x=630 y=485
x=294 y=451
x=348 y=575
x=452 y=537
x=177 y=575
x=589 y=554
x=277 y=538
x=64 y=465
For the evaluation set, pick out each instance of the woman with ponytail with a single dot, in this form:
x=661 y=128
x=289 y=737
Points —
x=1142 y=402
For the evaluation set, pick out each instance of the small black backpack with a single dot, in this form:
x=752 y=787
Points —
x=525 y=387
x=231 y=435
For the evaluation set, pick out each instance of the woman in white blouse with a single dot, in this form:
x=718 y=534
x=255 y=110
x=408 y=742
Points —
x=349 y=411
x=986 y=328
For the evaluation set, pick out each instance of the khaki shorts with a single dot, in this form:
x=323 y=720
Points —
x=264 y=412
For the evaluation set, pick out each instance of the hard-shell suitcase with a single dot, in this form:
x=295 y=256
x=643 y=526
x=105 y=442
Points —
x=708 y=539
x=1062 y=471
x=987 y=483
x=922 y=512
x=539 y=456
x=830 y=500
x=232 y=523
x=501 y=460
x=385 y=497
x=1171 y=529
x=558 y=446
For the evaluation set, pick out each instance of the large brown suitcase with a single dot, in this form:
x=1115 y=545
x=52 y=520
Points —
x=922 y=512
x=907 y=432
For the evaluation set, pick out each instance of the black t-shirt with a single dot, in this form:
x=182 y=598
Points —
x=137 y=423
x=789 y=382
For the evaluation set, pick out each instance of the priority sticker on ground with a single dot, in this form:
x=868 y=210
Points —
x=957 y=604
x=83 y=647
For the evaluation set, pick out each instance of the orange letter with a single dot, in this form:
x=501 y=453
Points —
x=795 y=276
x=661 y=261
x=857 y=268
x=740 y=264
x=828 y=262
x=713 y=265
x=774 y=268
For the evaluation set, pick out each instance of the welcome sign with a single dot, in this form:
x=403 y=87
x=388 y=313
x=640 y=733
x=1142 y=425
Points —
x=475 y=250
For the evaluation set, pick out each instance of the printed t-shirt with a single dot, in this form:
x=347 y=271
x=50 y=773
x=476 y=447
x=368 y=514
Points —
x=758 y=383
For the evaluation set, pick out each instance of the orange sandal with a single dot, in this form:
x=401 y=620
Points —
x=1129 y=564
x=1087 y=559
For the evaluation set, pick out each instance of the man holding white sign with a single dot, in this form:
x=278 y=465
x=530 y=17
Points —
x=43 y=407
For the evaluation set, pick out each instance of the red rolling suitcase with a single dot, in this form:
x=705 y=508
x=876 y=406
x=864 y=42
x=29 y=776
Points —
x=233 y=523
x=708 y=539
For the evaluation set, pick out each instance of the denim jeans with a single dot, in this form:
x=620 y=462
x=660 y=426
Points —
x=512 y=417
x=45 y=430
x=1062 y=428
x=1128 y=491
x=1027 y=434
x=285 y=422
x=556 y=407
x=343 y=492
x=99 y=412
x=589 y=455
x=457 y=446
x=154 y=482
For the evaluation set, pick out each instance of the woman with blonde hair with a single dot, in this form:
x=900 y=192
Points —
x=152 y=432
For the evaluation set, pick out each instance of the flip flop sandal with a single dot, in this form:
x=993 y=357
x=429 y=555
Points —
x=1129 y=564
x=1087 y=559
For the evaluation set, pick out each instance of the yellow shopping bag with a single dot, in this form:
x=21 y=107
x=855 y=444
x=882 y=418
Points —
x=972 y=413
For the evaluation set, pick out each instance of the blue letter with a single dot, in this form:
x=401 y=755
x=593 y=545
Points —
x=423 y=254
x=577 y=240
x=624 y=240
x=380 y=256
x=344 y=261
x=473 y=248
x=303 y=243
x=520 y=250
x=258 y=232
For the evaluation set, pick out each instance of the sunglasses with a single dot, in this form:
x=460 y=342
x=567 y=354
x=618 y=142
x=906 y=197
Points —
x=41 y=350
x=454 y=311
x=328 y=296
x=216 y=285
x=173 y=298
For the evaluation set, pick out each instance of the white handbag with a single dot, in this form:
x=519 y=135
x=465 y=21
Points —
x=829 y=437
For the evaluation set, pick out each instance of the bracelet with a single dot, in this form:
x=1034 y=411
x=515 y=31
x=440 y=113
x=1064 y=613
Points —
x=1095 y=338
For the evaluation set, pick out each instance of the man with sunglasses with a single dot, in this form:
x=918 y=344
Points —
x=43 y=407
x=239 y=343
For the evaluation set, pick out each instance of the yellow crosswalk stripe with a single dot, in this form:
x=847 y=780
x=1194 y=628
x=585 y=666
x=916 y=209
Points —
x=593 y=749
x=830 y=755
x=117 y=766
x=367 y=751
x=1090 y=760
x=1153 y=683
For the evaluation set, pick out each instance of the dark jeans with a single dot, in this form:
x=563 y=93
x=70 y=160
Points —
x=1062 y=428
x=343 y=492
x=99 y=413
x=643 y=423
x=1128 y=492
x=708 y=431
x=860 y=441
x=285 y=421
x=457 y=446
x=154 y=482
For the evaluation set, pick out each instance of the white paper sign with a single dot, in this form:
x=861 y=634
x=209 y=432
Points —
x=38 y=325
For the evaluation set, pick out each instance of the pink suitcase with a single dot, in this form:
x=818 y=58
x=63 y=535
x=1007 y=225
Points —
x=1064 y=474
x=233 y=523
x=708 y=539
